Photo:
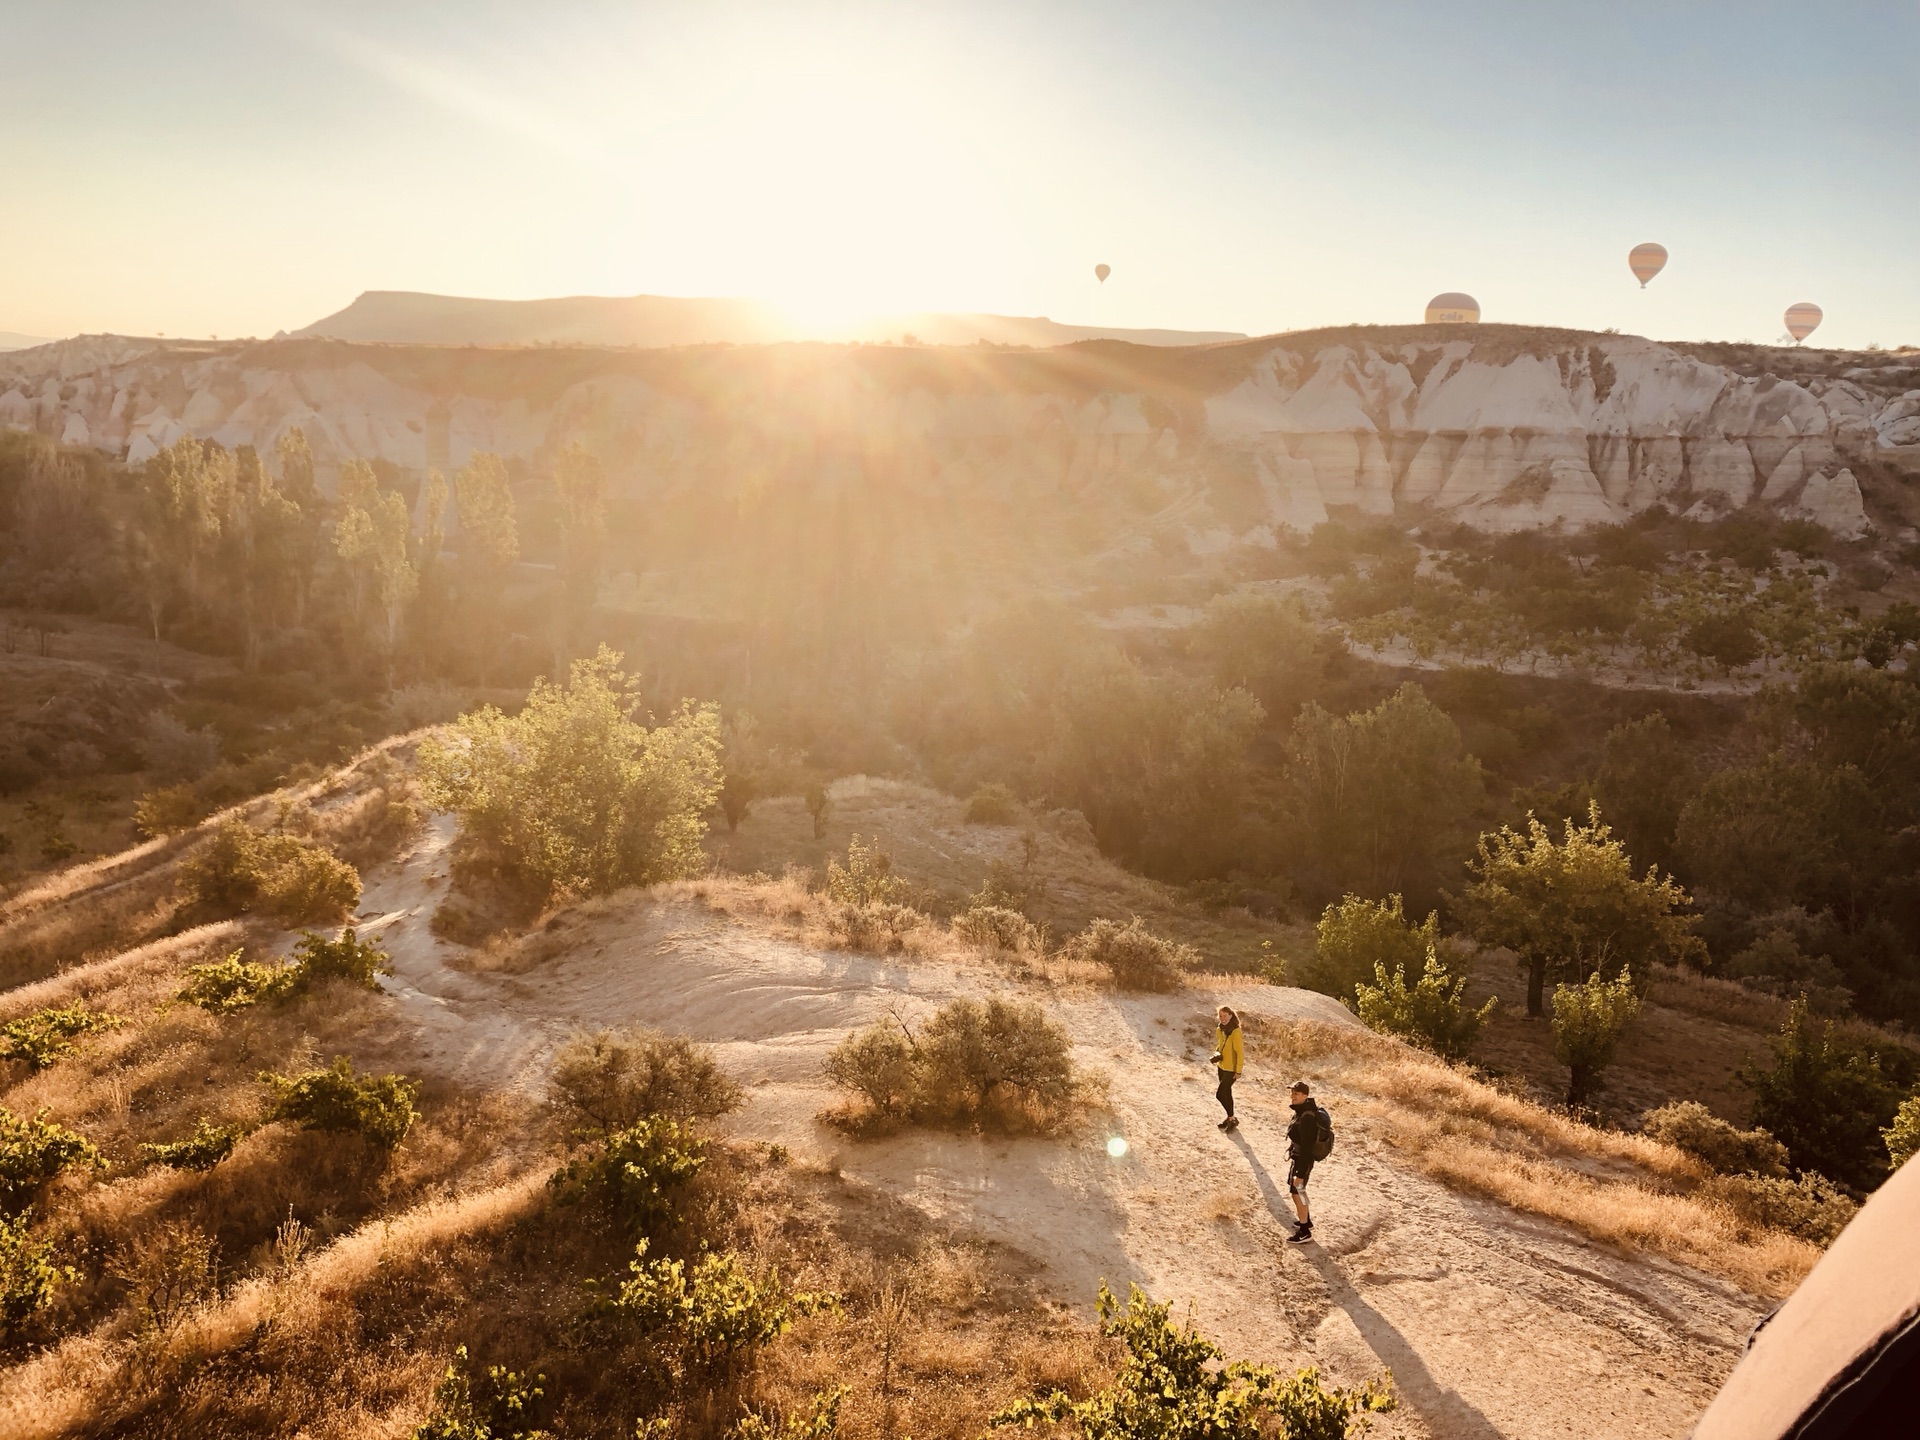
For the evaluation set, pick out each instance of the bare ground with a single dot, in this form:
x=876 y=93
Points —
x=1493 y=1322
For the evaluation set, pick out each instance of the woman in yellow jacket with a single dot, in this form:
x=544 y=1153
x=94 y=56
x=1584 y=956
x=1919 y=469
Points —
x=1230 y=1055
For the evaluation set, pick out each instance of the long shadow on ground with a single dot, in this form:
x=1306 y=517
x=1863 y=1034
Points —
x=1446 y=1411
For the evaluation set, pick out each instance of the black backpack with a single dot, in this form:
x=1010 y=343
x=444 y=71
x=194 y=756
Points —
x=1323 y=1133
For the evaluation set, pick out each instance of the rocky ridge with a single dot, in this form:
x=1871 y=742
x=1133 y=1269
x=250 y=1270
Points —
x=1502 y=427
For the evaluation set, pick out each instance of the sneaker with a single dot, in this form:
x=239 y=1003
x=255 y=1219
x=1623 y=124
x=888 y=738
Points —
x=1232 y=1122
x=1301 y=1234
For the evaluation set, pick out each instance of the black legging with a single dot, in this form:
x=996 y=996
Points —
x=1225 y=1093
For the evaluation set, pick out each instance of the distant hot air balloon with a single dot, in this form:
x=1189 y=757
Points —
x=1453 y=308
x=1802 y=320
x=1101 y=272
x=1647 y=261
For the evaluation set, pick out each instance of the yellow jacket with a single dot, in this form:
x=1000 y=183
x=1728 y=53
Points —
x=1232 y=1054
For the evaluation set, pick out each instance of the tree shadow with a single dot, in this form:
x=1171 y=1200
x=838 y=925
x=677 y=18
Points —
x=1446 y=1412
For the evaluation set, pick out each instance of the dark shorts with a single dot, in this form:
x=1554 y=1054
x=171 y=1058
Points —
x=1299 y=1171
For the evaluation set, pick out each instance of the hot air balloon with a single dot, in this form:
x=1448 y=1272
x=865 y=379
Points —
x=1802 y=320
x=1453 y=308
x=1647 y=261
x=1101 y=272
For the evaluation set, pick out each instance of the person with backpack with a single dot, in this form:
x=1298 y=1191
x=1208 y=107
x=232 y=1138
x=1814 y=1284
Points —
x=1229 y=1054
x=1309 y=1139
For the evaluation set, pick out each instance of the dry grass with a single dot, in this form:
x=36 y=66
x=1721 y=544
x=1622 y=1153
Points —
x=106 y=906
x=1626 y=1190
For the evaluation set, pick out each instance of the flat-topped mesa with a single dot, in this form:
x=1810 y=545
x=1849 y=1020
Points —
x=1501 y=427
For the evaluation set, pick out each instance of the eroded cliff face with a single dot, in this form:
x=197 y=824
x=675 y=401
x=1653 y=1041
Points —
x=1500 y=427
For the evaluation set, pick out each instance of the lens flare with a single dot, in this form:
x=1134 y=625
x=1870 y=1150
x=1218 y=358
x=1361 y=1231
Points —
x=1117 y=1147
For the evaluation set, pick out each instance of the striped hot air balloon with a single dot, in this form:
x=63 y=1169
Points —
x=1647 y=261
x=1803 y=319
x=1453 y=308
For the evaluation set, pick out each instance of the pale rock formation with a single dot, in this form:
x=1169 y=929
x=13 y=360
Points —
x=1506 y=431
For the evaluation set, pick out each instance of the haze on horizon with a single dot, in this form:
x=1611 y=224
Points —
x=243 y=168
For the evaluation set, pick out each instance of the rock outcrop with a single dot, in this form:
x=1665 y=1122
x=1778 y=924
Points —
x=1501 y=427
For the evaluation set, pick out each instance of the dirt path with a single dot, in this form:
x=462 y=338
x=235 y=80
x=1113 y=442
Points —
x=1494 y=1324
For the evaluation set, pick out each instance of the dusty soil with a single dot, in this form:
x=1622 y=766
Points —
x=1494 y=1324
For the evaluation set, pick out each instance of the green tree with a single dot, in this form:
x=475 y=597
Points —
x=1573 y=905
x=488 y=545
x=1382 y=796
x=1356 y=937
x=1589 y=1020
x=1826 y=1097
x=1262 y=644
x=1903 y=1135
x=1644 y=780
x=1432 y=1012
x=575 y=794
x=1783 y=832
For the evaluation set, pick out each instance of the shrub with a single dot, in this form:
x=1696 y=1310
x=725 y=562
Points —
x=637 y=1172
x=1811 y=1206
x=1173 y=1385
x=34 y=1150
x=377 y=1107
x=821 y=1422
x=875 y=929
x=866 y=879
x=1588 y=1021
x=231 y=984
x=1357 y=938
x=1008 y=889
x=167 y=811
x=996 y=928
x=39 y=1039
x=1826 y=1098
x=1903 y=1135
x=169 y=1270
x=1002 y=1059
x=298 y=880
x=880 y=1065
x=975 y=1052
x=1431 y=1013
x=205 y=1148
x=28 y=1275
x=991 y=805
x=348 y=958
x=506 y=1402
x=1137 y=958
x=1688 y=1125
x=574 y=795
x=612 y=1080
x=705 y=1322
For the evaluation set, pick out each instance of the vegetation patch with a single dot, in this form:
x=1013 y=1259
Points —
x=379 y=1108
x=33 y=1150
x=999 y=1062
x=612 y=1079
x=1175 y=1384
x=1432 y=1012
x=231 y=983
x=297 y=880
x=1134 y=956
x=205 y=1148
x=39 y=1039
x=575 y=795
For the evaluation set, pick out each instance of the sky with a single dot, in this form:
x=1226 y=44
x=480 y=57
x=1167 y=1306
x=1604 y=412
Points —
x=241 y=168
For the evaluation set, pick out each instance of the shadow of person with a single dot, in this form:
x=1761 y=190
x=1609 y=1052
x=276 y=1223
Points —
x=1445 y=1411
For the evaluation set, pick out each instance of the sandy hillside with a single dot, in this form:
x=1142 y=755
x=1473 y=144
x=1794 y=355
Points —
x=1492 y=1322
